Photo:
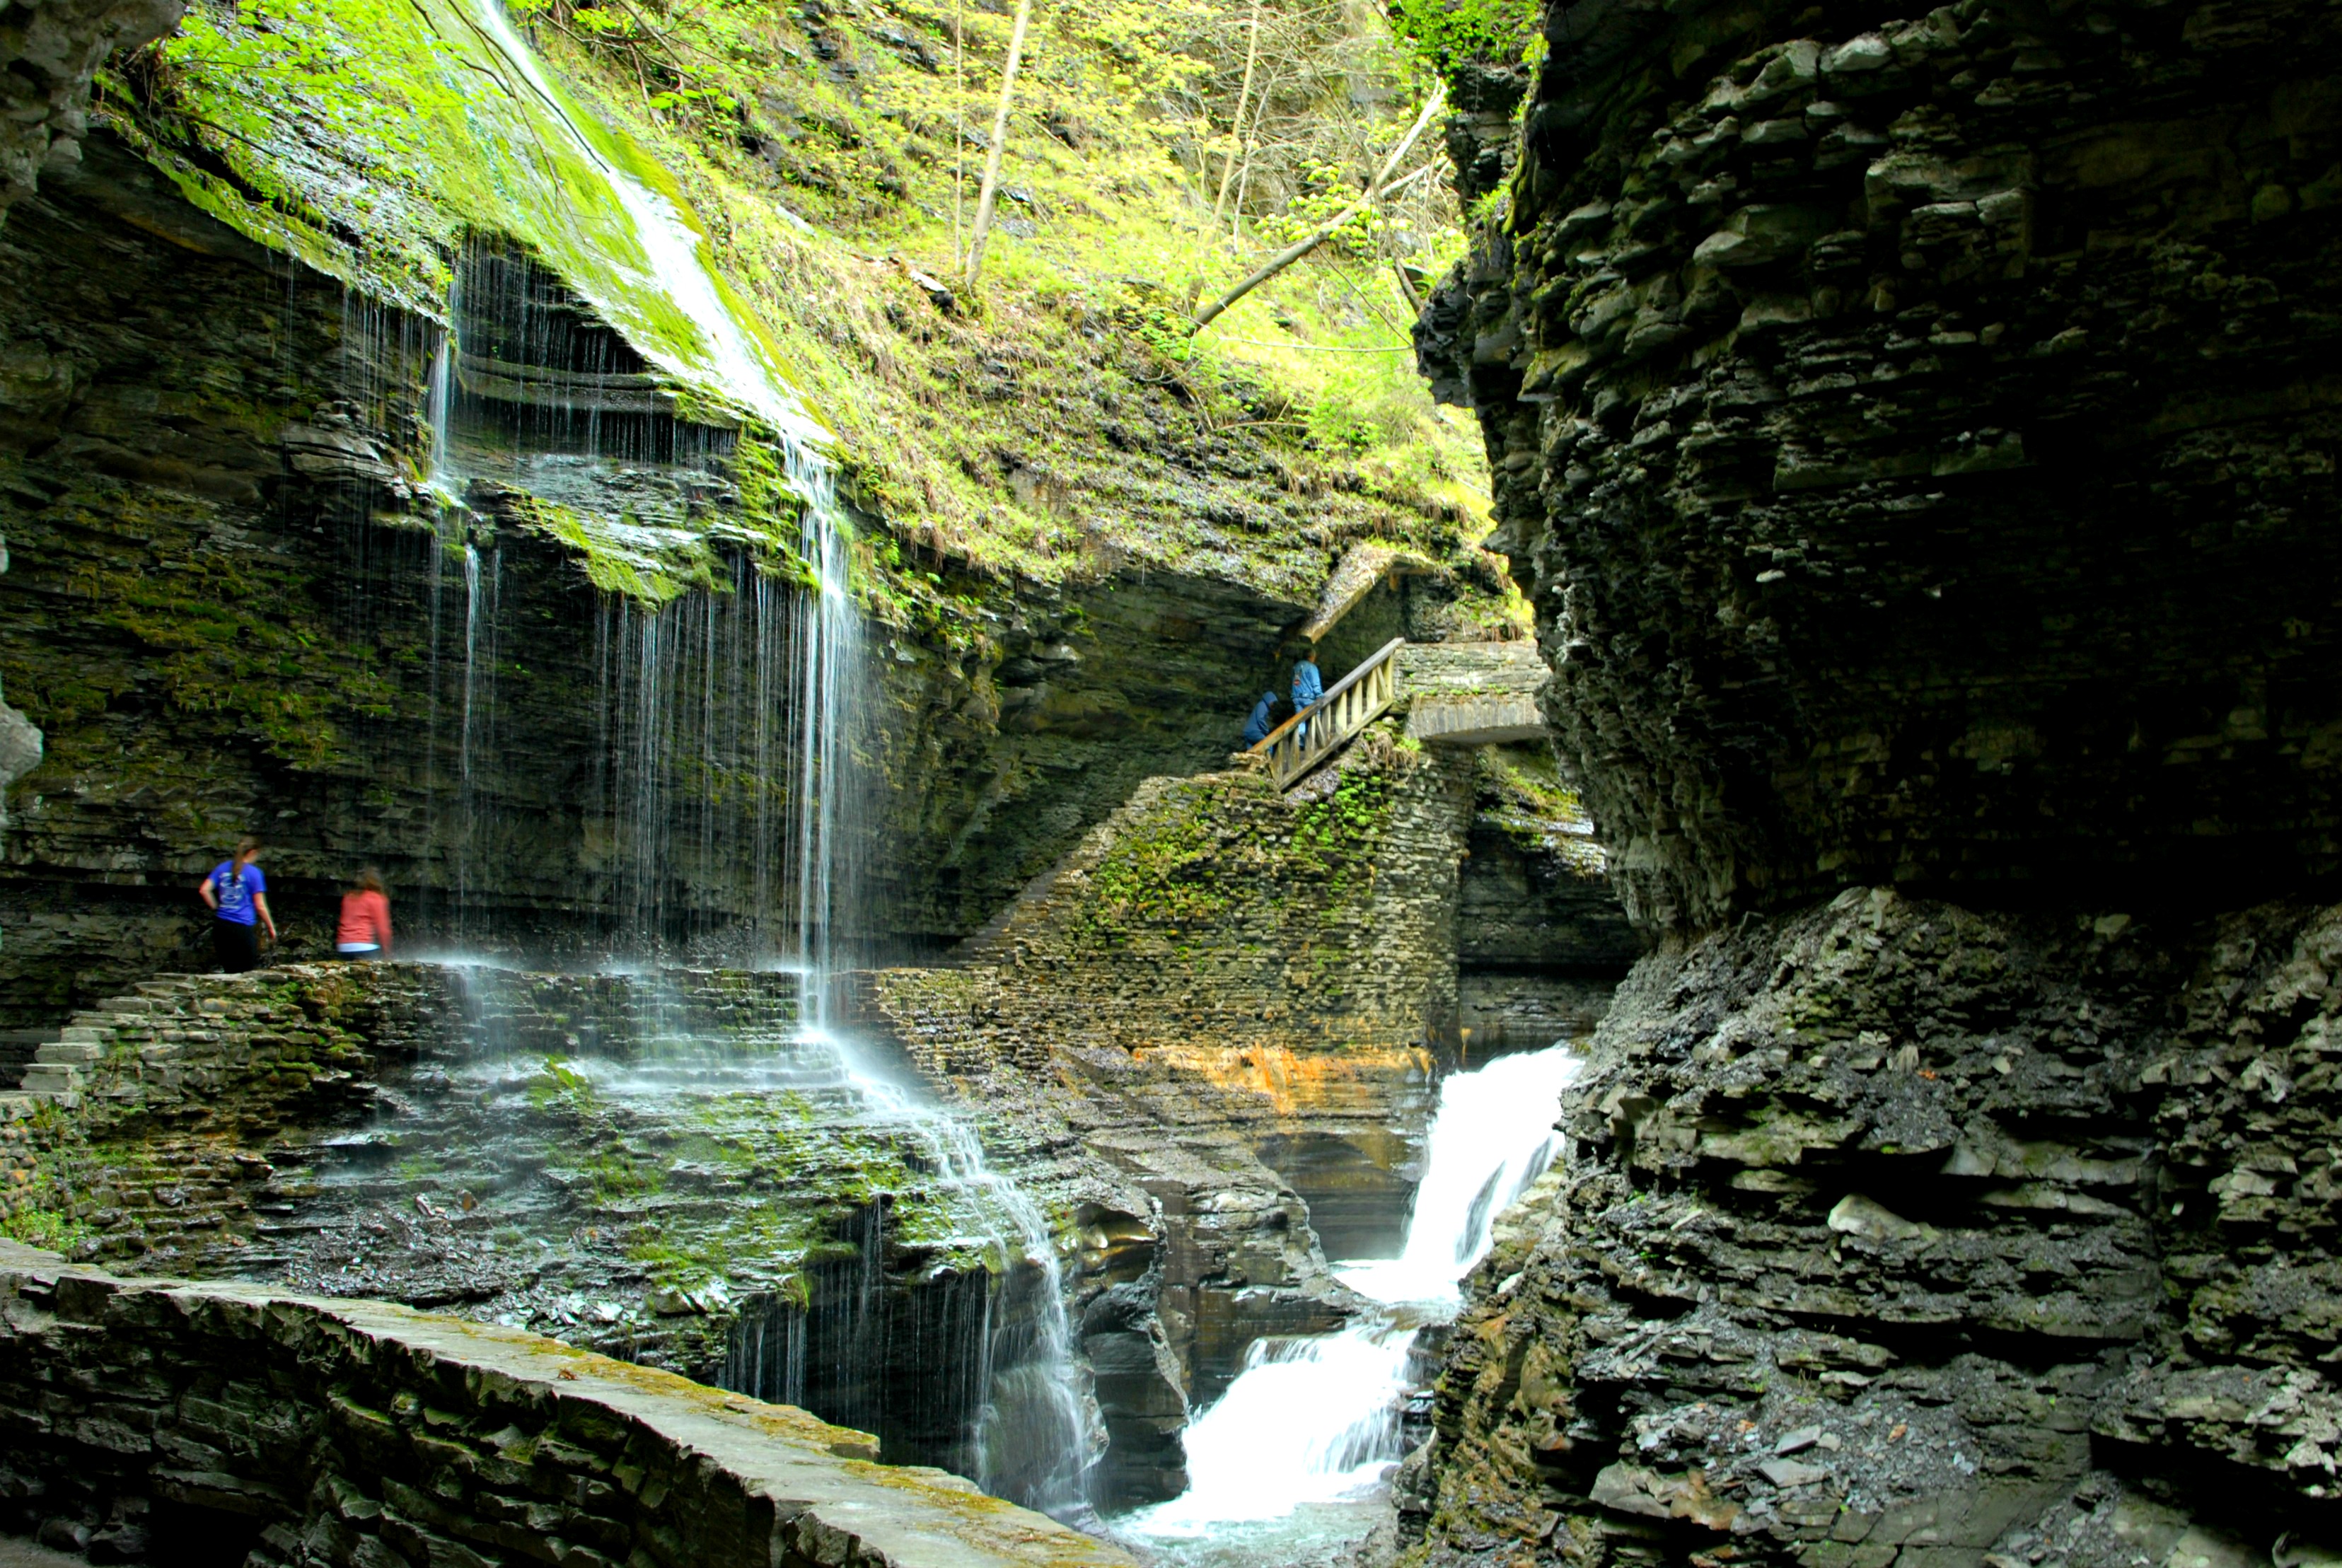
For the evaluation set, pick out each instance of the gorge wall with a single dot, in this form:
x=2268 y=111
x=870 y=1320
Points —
x=1912 y=431
x=556 y=718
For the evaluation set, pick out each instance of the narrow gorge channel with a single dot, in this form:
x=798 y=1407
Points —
x=1292 y=1464
x=1212 y=783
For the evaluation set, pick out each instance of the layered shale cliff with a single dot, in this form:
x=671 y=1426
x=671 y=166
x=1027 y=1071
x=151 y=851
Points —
x=1913 y=434
x=1913 y=430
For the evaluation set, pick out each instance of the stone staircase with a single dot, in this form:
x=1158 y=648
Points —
x=62 y=1066
x=1063 y=885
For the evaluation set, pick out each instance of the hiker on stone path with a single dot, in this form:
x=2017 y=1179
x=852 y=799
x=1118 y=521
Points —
x=238 y=896
x=1307 y=687
x=365 y=929
x=1263 y=719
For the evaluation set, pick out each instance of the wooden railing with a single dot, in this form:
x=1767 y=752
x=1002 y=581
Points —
x=1298 y=744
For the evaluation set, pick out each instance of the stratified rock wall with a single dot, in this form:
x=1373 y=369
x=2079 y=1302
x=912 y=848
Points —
x=1914 y=431
x=1916 y=434
x=1890 y=1230
x=235 y=606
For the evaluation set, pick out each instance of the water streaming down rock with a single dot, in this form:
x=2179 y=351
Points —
x=696 y=753
x=482 y=588
x=999 y=1349
x=1491 y=1137
x=1316 y=1419
x=726 y=716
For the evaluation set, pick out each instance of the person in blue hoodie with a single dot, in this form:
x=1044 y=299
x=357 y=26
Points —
x=237 y=894
x=1308 y=685
x=1263 y=719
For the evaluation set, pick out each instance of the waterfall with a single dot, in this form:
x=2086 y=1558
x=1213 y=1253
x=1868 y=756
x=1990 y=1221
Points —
x=1493 y=1135
x=1036 y=1433
x=689 y=689
x=696 y=682
x=439 y=412
x=1315 y=1420
x=475 y=741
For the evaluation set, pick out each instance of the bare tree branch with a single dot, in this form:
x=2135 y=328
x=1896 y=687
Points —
x=985 y=198
x=1379 y=187
x=1235 y=126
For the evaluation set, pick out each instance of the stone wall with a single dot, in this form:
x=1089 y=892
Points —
x=1911 y=428
x=1218 y=910
x=181 y=1424
x=144 y=1128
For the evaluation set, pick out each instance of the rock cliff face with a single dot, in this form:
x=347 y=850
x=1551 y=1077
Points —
x=1911 y=431
x=48 y=51
x=1897 y=1232
x=235 y=605
x=1908 y=427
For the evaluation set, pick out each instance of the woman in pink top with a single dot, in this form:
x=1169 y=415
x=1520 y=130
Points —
x=364 y=931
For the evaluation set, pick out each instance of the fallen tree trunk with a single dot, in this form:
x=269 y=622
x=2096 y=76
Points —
x=1375 y=192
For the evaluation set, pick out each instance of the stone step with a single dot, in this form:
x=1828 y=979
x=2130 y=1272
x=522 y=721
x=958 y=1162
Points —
x=1502 y=718
x=85 y=1034
x=51 y=1078
x=68 y=1050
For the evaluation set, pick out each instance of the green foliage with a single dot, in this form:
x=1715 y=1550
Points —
x=370 y=136
x=1445 y=34
x=1327 y=190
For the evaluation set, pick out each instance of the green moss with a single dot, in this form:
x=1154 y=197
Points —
x=370 y=137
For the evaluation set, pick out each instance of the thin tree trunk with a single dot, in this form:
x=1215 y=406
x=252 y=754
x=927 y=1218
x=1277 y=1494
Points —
x=959 y=120
x=1406 y=287
x=1236 y=125
x=1375 y=190
x=991 y=189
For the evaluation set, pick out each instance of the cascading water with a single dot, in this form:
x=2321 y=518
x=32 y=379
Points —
x=689 y=689
x=698 y=679
x=1315 y=1421
x=1493 y=1135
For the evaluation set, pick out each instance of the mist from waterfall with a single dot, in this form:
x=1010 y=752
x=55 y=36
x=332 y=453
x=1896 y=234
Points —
x=725 y=719
x=1316 y=1419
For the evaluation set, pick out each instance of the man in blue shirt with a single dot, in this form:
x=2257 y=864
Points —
x=1307 y=686
x=238 y=896
x=1263 y=719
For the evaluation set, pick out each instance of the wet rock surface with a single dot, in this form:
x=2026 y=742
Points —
x=1892 y=1230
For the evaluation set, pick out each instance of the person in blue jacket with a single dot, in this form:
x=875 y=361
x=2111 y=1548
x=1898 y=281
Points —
x=1263 y=719
x=1307 y=686
x=238 y=896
